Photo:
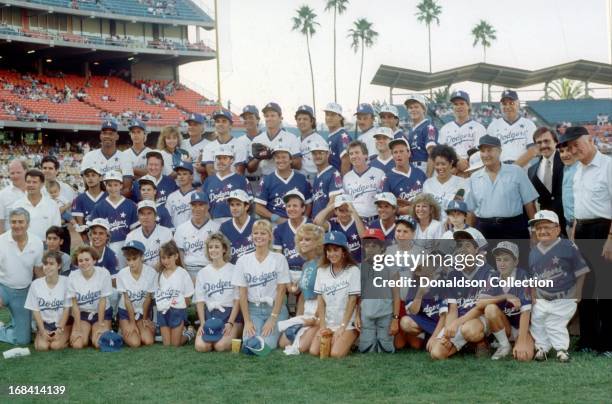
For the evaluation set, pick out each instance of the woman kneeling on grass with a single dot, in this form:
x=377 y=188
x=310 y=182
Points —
x=262 y=277
x=135 y=284
x=89 y=288
x=173 y=290
x=216 y=298
x=338 y=286
x=50 y=306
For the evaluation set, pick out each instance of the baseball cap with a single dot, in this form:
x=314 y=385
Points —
x=113 y=175
x=292 y=331
x=198 y=197
x=197 y=118
x=272 y=106
x=506 y=246
x=256 y=346
x=383 y=131
x=407 y=219
x=223 y=114
x=488 y=140
x=461 y=95
x=240 y=195
x=458 y=206
x=99 y=221
x=364 y=108
x=293 y=192
x=281 y=147
x=305 y=109
x=416 y=98
x=389 y=109
x=386 y=197
x=333 y=107
x=109 y=124
x=154 y=153
x=318 y=146
x=472 y=233
x=148 y=179
x=542 y=215
x=184 y=165
x=224 y=150
x=110 y=341
x=91 y=168
x=509 y=94
x=134 y=244
x=146 y=204
x=336 y=238
x=341 y=200
x=572 y=133
x=137 y=123
x=399 y=140
x=475 y=162
x=373 y=233
x=250 y=109
x=213 y=330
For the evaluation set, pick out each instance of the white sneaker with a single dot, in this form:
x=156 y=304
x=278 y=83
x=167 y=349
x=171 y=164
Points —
x=541 y=355
x=501 y=352
x=563 y=356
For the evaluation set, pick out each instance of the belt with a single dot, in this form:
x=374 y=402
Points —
x=592 y=221
x=500 y=220
x=566 y=294
x=253 y=178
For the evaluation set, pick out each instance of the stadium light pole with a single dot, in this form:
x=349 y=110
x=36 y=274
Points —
x=218 y=57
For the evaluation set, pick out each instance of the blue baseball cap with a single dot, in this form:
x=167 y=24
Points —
x=364 y=109
x=488 y=140
x=250 y=109
x=509 y=94
x=197 y=118
x=137 y=123
x=110 y=341
x=458 y=206
x=461 y=95
x=184 y=165
x=408 y=220
x=198 y=197
x=223 y=114
x=256 y=346
x=134 y=244
x=109 y=124
x=305 y=109
x=272 y=106
x=292 y=331
x=336 y=238
x=213 y=330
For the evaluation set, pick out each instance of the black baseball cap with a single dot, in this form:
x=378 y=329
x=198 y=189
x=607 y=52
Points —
x=572 y=133
x=488 y=140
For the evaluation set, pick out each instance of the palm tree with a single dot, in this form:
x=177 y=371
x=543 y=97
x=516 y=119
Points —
x=565 y=89
x=484 y=34
x=339 y=7
x=362 y=36
x=429 y=11
x=305 y=22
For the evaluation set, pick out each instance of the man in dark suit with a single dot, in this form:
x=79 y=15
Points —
x=547 y=174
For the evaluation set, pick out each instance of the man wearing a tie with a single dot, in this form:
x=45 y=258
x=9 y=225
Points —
x=547 y=174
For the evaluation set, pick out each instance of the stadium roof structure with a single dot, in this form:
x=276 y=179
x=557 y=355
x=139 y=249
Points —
x=503 y=76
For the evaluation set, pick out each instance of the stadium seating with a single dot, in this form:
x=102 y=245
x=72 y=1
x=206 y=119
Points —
x=575 y=111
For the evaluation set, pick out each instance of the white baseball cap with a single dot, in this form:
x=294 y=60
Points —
x=113 y=175
x=319 y=146
x=474 y=234
x=507 y=246
x=240 y=195
x=224 y=150
x=91 y=167
x=386 y=197
x=418 y=98
x=475 y=162
x=384 y=131
x=146 y=204
x=542 y=215
x=341 y=200
x=333 y=107
x=100 y=221
x=389 y=109
x=293 y=192
x=148 y=178
x=281 y=147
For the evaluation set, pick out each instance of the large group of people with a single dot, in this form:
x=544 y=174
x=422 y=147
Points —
x=275 y=238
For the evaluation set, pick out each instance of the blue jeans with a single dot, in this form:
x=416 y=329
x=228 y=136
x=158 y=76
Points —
x=259 y=316
x=19 y=332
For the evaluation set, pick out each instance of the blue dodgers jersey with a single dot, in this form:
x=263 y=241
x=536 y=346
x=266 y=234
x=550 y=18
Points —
x=352 y=236
x=562 y=264
x=466 y=297
x=338 y=143
x=84 y=204
x=241 y=240
x=419 y=137
x=109 y=261
x=523 y=294
x=165 y=187
x=325 y=185
x=308 y=279
x=389 y=233
x=284 y=238
x=273 y=188
x=122 y=218
x=163 y=217
x=432 y=302
x=405 y=186
x=385 y=167
x=217 y=189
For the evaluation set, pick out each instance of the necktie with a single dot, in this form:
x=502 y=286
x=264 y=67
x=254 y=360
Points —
x=548 y=176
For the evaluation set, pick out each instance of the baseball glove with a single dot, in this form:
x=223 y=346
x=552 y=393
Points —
x=261 y=151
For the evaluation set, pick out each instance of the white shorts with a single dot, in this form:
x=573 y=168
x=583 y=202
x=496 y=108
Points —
x=295 y=276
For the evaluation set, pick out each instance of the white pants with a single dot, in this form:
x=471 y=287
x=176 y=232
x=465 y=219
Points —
x=549 y=319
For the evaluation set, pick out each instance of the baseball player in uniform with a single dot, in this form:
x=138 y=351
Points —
x=383 y=158
x=150 y=234
x=365 y=124
x=178 y=202
x=284 y=233
x=238 y=229
x=137 y=154
x=338 y=138
x=389 y=118
x=307 y=124
x=164 y=184
x=404 y=180
x=422 y=134
x=195 y=145
x=386 y=207
x=327 y=182
x=223 y=128
x=250 y=117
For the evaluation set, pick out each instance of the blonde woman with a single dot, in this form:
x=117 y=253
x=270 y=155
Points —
x=168 y=145
x=426 y=213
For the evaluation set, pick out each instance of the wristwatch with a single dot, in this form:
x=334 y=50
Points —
x=395 y=317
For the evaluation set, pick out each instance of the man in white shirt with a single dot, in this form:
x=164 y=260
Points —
x=20 y=260
x=16 y=190
x=195 y=145
x=44 y=212
x=50 y=169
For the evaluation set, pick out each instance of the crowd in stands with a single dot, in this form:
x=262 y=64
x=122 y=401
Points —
x=160 y=7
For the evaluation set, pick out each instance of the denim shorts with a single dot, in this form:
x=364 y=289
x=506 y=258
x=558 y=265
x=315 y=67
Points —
x=172 y=318
x=223 y=315
x=92 y=318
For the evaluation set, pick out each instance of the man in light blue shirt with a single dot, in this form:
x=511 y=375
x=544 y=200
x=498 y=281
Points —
x=499 y=193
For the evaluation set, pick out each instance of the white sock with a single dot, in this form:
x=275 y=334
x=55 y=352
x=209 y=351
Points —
x=501 y=337
x=458 y=340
